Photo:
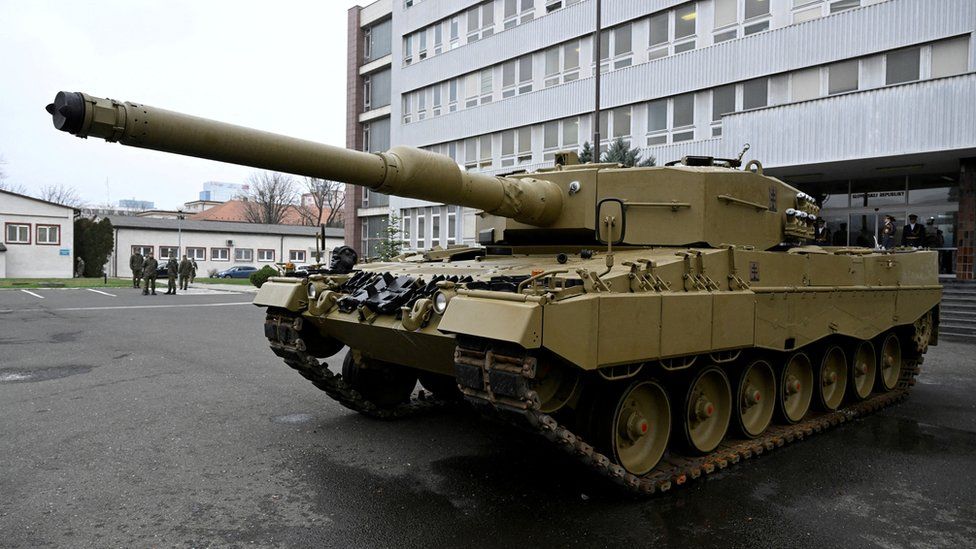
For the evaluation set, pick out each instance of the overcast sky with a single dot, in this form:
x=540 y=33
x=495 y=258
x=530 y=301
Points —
x=277 y=66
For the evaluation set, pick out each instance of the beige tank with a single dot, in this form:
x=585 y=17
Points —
x=659 y=323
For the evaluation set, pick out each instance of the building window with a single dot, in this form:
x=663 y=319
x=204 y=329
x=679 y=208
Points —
x=422 y=45
x=219 y=254
x=807 y=10
x=481 y=21
x=451 y=225
x=243 y=254
x=405 y=108
x=902 y=66
x=421 y=104
x=455 y=38
x=407 y=49
x=842 y=77
x=518 y=12
x=723 y=102
x=436 y=105
x=568 y=128
x=562 y=63
x=142 y=250
x=266 y=255
x=18 y=233
x=421 y=229
x=49 y=235
x=198 y=254
x=517 y=76
x=405 y=229
x=842 y=5
x=374 y=231
x=516 y=146
x=950 y=57
x=296 y=256
x=377 y=41
x=167 y=252
x=755 y=93
x=614 y=124
x=672 y=31
x=616 y=47
x=805 y=84
x=452 y=94
x=435 y=227
x=682 y=119
x=438 y=38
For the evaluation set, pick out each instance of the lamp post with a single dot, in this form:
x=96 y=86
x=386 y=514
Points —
x=596 y=81
x=179 y=232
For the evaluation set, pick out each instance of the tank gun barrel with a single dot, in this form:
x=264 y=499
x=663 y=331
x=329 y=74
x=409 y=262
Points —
x=401 y=171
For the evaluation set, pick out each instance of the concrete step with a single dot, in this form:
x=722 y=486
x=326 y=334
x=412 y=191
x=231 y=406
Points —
x=960 y=300
x=958 y=293
x=956 y=329
x=966 y=319
x=961 y=338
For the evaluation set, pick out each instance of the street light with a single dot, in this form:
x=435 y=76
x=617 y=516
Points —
x=179 y=231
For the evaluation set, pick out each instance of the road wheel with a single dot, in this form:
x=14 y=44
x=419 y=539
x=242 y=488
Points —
x=441 y=386
x=795 y=388
x=381 y=383
x=756 y=398
x=889 y=363
x=707 y=410
x=631 y=424
x=863 y=369
x=832 y=379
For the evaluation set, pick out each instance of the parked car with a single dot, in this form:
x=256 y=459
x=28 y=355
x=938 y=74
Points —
x=240 y=271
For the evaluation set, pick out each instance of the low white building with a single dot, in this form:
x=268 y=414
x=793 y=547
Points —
x=215 y=245
x=38 y=238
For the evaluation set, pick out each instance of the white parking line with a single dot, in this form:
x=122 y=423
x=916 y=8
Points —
x=152 y=306
x=101 y=292
x=33 y=294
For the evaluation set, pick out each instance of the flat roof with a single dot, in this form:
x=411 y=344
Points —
x=150 y=223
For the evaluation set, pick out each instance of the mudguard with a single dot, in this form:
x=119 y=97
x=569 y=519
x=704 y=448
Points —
x=283 y=293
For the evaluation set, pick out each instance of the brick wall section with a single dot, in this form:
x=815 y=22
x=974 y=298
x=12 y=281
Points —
x=966 y=229
x=354 y=134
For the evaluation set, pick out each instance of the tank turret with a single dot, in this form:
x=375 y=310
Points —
x=697 y=203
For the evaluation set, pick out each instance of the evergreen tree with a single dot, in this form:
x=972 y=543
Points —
x=586 y=153
x=94 y=241
x=620 y=153
x=392 y=243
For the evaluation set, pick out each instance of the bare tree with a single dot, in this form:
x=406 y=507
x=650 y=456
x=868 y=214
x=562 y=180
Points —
x=322 y=202
x=269 y=198
x=5 y=186
x=61 y=194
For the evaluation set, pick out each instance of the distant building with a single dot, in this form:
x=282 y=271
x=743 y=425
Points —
x=197 y=206
x=235 y=210
x=38 y=238
x=222 y=192
x=137 y=205
x=215 y=245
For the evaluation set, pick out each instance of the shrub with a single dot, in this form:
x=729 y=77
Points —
x=262 y=275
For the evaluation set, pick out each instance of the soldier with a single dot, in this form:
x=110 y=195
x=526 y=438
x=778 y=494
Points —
x=888 y=232
x=820 y=233
x=171 y=269
x=79 y=267
x=914 y=233
x=193 y=273
x=186 y=269
x=149 y=266
x=135 y=265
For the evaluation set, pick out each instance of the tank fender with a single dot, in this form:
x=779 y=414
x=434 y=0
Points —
x=282 y=292
x=502 y=320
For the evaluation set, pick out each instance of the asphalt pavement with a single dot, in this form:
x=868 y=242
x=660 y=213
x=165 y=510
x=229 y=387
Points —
x=159 y=421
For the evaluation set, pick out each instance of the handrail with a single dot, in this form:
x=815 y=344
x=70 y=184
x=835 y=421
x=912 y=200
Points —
x=741 y=202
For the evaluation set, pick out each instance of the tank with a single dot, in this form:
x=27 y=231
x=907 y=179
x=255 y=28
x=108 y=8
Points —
x=658 y=324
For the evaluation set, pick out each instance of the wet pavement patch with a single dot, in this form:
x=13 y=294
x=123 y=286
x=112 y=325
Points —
x=20 y=375
x=293 y=419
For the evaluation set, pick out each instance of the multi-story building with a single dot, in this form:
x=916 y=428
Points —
x=870 y=105
x=218 y=191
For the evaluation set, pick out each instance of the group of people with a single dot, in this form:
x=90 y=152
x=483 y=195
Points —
x=144 y=269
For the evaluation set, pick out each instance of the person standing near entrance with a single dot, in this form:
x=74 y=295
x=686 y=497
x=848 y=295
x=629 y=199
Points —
x=888 y=232
x=79 y=267
x=914 y=233
x=135 y=265
x=820 y=233
x=186 y=269
x=149 y=267
x=171 y=269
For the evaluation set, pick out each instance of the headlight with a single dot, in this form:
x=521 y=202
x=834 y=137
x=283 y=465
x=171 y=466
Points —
x=440 y=303
x=311 y=291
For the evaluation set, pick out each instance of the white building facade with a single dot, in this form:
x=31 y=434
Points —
x=215 y=245
x=869 y=105
x=38 y=238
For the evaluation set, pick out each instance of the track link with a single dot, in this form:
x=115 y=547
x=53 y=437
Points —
x=500 y=381
x=283 y=333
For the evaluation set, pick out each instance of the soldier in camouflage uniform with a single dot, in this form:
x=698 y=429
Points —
x=171 y=268
x=186 y=269
x=135 y=265
x=149 y=266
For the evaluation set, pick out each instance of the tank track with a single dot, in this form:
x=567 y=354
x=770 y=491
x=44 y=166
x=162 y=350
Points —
x=500 y=381
x=282 y=331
